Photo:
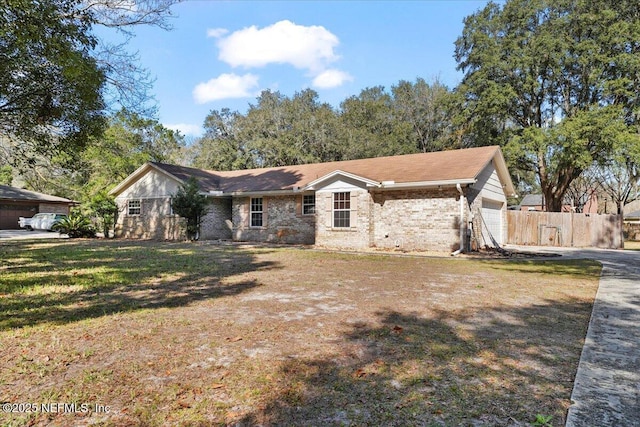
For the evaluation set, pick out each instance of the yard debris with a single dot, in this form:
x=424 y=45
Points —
x=235 y=339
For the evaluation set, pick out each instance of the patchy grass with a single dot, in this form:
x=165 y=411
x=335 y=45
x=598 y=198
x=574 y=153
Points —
x=632 y=245
x=199 y=334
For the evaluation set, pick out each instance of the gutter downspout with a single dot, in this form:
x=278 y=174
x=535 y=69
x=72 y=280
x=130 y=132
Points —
x=459 y=251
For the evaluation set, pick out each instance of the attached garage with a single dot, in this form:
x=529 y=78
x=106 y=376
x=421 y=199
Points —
x=16 y=202
x=492 y=222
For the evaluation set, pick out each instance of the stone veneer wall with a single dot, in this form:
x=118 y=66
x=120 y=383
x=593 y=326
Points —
x=154 y=221
x=417 y=219
x=283 y=221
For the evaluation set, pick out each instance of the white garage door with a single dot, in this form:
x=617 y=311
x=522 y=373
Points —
x=492 y=222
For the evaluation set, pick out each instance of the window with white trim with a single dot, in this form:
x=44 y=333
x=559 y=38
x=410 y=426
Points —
x=342 y=210
x=308 y=204
x=256 y=212
x=134 y=207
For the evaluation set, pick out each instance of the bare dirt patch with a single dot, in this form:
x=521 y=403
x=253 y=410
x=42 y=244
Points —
x=200 y=334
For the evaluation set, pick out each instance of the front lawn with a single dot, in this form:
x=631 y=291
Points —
x=149 y=333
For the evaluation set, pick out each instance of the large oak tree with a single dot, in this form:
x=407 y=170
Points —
x=50 y=85
x=555 y=82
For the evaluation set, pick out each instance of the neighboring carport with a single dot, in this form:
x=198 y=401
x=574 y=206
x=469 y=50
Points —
x=16 y=202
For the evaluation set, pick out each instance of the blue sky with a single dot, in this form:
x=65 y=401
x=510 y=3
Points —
x=222 y=54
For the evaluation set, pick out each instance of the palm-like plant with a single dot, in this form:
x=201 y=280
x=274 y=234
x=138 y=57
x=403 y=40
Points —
x=75 y=225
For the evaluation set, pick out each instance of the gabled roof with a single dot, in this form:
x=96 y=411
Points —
x=448 y=167
x=531 y=200
x=13 y=194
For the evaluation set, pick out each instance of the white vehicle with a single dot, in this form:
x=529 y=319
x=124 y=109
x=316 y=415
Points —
x=40 y=221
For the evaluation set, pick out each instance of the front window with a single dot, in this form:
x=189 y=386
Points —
x=342 y=210
x=133 y=208
x=309 y=204
x=256 y=212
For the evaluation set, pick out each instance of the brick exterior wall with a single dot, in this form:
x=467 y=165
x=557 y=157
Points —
x=358 y=235
x=425 y=219
x=216 y=224
x=154 y=221
x=406 y=220
x=417 y=219
x=157 y=223
x=283 y=221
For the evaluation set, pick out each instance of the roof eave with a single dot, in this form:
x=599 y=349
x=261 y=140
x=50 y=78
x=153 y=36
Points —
x=137 y=174
x=427 y=184
x=286 y=192
x=503 y=172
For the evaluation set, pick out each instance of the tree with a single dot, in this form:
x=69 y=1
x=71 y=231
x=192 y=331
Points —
x=129 y=141
x=50 y=85
x=6 y=175
x=427 y=107
x=620 y=178
x=127 y=83
x=371 y=128
x=58 y=79
x=104 y=207
x=190 y=204
x=553 y=82
x=221 y=148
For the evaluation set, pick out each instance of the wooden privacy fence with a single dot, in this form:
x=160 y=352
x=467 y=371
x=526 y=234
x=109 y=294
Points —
x=564 y=229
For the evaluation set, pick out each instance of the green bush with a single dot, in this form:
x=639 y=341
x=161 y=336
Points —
x=75 y=225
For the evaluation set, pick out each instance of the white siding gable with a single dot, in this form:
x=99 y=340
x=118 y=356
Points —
x=489 y=185
x=151 y=185
x=340 y=184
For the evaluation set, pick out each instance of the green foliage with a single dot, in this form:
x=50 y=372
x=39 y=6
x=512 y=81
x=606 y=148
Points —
x=6 y=175
x=191 y=205
x=104 y=207
x=278 y=130
x=75 y=225
x=50 y=85
x=542 y=421
x=551 y=81
x=129 y=141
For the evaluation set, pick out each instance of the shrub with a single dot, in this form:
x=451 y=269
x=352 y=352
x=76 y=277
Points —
x=189 y=203
x=75 y=225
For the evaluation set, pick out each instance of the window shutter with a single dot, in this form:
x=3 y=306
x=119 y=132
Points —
x=354 y=209
x=265 y=211
x=299 y=205
x=245 y=208
x=328 y=208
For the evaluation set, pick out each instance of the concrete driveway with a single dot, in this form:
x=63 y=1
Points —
x=606 y=391
x=26 y=235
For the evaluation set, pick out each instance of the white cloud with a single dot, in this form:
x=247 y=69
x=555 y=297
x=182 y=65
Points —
x=186 y=128
x=310 y=48
x=331 y=78
x=216 y=32
x=225 y=86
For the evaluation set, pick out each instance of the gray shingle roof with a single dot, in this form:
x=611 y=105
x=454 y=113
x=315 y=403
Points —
x=13 y=194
